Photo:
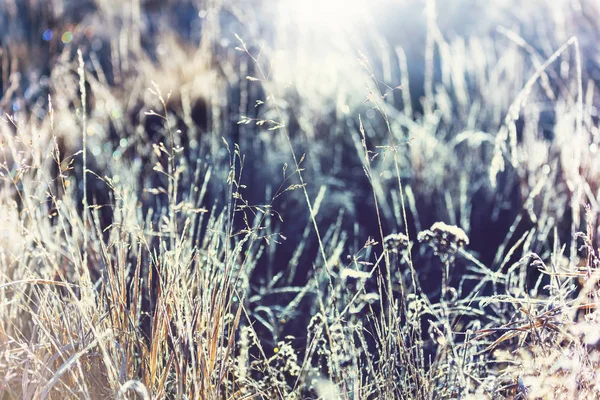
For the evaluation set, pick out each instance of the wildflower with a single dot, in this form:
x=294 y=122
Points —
x=444 y=239
x=396 y=242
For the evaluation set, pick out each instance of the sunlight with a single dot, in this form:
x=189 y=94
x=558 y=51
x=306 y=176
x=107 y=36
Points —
x=325 y=14
x=318 y=42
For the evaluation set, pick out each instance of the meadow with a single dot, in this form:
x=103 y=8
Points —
x=252 y=199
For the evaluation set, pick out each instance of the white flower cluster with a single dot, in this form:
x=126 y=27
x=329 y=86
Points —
x=444 y=239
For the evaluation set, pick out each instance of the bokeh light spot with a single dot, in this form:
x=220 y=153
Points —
x=67 y=37
x=47 y=35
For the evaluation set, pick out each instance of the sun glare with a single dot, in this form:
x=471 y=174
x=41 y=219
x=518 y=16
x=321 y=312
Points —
x=324 y=14
x=319 y=42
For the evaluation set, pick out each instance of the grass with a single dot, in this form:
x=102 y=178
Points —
x=231 y=206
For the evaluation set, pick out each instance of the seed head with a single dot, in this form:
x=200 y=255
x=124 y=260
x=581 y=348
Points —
x=396 y=242
x=444 y=238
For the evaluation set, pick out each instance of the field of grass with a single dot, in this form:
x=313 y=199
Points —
x=222 y=199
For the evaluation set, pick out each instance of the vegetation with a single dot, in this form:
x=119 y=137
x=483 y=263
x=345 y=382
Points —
x=211 y=200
